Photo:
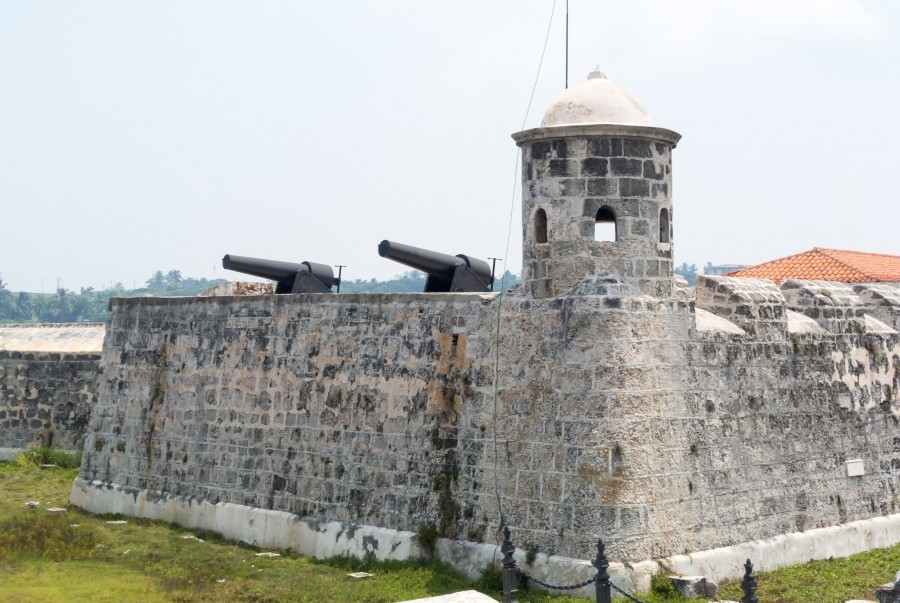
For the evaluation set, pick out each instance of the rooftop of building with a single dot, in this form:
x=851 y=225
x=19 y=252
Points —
x=824 y=264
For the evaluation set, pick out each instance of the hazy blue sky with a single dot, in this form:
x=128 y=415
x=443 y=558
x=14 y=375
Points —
x=137 y=136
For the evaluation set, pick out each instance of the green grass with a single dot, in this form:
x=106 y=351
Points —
x=44 y=559
x=826 y=581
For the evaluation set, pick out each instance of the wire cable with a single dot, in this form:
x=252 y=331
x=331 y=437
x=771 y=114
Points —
x=512 y=207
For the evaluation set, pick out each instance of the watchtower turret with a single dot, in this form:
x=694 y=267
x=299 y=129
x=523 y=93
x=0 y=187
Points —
x=596 y=193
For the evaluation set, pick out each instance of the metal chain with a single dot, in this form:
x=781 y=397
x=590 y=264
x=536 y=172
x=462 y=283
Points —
x=620 y=591
x=528 y=576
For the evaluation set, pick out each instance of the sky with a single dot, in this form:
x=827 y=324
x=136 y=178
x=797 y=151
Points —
x=161 y=135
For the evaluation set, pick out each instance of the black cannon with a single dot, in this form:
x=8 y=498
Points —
x=446 y=273
x=306 y=277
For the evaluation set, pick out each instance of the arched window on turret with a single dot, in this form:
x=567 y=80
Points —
x=540 y=226
x=605 y=225
x=664 y=225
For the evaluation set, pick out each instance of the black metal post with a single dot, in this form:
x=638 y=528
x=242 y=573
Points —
x=748 y=584
x=604 y=595
x=493 y=268
x=510 y=580
x=340 y=268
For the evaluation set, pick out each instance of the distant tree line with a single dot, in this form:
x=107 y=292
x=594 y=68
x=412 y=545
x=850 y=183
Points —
x=412 y=281
x=688 y=271
x=90 y=305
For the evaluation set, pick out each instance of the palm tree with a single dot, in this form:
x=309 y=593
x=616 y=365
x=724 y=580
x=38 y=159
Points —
x=6 y=297
x=173 y=277
x=63 y=305
x=22 y=307
x=157 y=281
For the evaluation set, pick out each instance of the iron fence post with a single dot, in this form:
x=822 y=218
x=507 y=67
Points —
x=604 y=595
x=510 y=580
x=748 y=584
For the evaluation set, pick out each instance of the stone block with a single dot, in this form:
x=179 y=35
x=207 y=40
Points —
x=634 y=187
x=606 y=147
x=637 y=148
x=563 y=168
x=593 y=167
x=691 y=586
x=603 y=187
x=621 y=166
x=888 y=593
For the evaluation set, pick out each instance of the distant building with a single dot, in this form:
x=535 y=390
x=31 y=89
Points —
x=711 y=270
x=823 y=264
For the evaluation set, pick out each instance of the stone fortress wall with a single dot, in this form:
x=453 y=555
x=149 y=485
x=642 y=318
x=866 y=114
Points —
x=600 y=399
x=660 y=427
x=48 y=376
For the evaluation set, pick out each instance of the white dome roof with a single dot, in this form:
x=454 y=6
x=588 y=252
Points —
x=596 y=101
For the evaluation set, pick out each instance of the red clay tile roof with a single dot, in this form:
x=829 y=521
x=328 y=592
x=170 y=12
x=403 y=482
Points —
x=828 y=265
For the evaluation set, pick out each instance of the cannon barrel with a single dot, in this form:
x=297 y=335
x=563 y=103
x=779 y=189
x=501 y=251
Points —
x=286 y=274
x=432 y=262
x=270 y=269
x=445 y=272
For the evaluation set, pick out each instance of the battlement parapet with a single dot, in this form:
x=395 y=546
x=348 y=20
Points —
x=882 y=301
x=755 y=305
x=763 y=310
x=834 y=306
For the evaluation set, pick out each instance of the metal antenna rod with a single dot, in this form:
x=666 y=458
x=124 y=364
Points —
x=567 y=44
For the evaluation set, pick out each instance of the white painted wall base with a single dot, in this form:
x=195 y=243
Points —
x=10 y=454
x=315 y=538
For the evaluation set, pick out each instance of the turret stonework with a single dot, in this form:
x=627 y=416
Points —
x=596 y=194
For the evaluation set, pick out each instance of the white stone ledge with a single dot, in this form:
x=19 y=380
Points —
x=597 y=130
x=726 y=563
x=322 y=539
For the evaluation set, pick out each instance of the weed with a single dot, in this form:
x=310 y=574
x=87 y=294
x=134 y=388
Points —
x=873 y=348
x=531 y=554
x=730 y=356
x=798 y=345
x=475 y=534
x=695 y=449
x=661 y=585
x=490 y=580
x=428 y=536
x=49 y=456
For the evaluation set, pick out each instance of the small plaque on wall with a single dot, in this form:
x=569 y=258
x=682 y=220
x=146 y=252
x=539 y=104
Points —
x=855 y=468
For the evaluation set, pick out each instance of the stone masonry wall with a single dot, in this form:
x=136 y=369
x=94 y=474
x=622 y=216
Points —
x=46 y=398
x=352 y=408
x=615 y=416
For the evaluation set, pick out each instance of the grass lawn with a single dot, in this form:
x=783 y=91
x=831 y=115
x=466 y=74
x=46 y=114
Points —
x=80 y=557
